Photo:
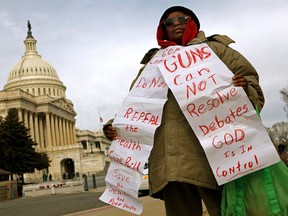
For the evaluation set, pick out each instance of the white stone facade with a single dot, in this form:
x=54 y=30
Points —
x=34 y=89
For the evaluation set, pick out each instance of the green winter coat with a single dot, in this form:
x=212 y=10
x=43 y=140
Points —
x=177 y=154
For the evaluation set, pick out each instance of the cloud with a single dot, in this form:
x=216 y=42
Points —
x=96 y=47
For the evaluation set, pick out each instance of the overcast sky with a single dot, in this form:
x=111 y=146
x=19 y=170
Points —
x=96 y=46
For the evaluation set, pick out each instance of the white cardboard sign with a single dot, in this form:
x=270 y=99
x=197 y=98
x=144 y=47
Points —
x=221 y=115
x=136 y=122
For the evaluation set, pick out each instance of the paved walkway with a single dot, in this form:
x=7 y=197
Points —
x=75 y=204
x=151 y=207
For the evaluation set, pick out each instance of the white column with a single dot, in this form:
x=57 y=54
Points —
x=61 y=131
x=68 y=132
x=20 y=115
x=36 y=125
x=48 y=129
x=74 y=132
x=26 y=119
x=31 y=123
x=41 y=132
x=53 y=134
x=71 y=132
x=57 y=130
x=65 y=132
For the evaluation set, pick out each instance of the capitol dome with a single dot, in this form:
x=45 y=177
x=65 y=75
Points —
x=34 y=75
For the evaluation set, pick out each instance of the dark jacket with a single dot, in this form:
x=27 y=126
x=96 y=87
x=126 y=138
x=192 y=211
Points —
x=177 y=154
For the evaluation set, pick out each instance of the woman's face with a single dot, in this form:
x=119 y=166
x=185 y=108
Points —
x=175 y=25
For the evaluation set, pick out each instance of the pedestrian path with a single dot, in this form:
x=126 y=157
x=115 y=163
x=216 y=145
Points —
x=152 y=207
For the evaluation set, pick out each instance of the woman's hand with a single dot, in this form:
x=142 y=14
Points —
x=110 y=132
x=240 y=81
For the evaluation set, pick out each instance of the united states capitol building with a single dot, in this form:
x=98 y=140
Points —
x=35 y=90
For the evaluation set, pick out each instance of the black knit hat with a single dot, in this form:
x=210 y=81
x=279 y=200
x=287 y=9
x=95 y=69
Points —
x=182 y=9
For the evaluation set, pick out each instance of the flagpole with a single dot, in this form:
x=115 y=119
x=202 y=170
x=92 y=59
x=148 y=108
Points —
x=100 y=119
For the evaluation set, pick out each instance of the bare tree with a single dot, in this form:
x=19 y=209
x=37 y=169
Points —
x=284 y=93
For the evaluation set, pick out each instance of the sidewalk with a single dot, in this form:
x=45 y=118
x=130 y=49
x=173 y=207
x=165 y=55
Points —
x=151 y=207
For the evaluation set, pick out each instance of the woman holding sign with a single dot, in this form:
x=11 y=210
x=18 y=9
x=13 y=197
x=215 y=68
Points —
x=179 y=172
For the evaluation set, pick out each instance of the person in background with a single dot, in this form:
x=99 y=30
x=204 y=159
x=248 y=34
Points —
x=282 y=151
x=179 y=172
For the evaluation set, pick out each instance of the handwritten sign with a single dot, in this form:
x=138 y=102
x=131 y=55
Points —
x=136 y=122
x=121 y=199
x=221 y=115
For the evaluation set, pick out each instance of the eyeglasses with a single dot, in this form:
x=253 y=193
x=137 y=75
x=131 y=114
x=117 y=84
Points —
x=181 y=19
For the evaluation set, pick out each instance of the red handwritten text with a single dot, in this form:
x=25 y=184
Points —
x=118 y=192
x=156 y=82
x=179 y=79
x=200 y=86
x=166 y=53
x=129 y=144
x=210 y=104
x=243 y=149
x=219 y=123
x=170 y=51
x=240 y=167
x=145 y=117
x=132 y=164
x=114 y=202
x=119 y=176
x=129 y=162
x=131 y=128
x=114 y=158
x=228 y=138
x=130 y=207
x=185 y=60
